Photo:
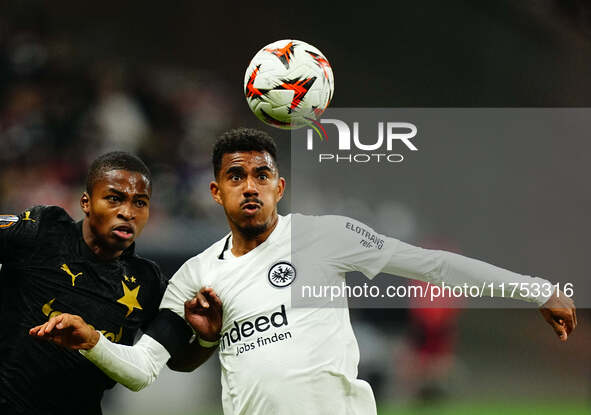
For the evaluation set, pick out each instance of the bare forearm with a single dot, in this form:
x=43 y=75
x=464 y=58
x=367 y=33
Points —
x=191 y=357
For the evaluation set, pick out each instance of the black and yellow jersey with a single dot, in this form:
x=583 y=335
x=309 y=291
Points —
x=48 y=269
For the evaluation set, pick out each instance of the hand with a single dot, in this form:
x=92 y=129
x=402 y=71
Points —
x=67 y=330
x=204 y=313
x=559 y=311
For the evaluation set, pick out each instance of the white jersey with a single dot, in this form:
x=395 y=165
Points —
x=277 y=359
x=281 y=359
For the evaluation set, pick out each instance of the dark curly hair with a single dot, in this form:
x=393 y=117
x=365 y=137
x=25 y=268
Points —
x=115 y=160
x=242 y=139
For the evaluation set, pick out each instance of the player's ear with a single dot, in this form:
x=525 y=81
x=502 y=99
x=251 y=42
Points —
x=215 y=192
x=85 y=203
x=280 y=188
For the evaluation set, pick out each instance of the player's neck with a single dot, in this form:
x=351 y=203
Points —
x=243 y=243
x=92 y=242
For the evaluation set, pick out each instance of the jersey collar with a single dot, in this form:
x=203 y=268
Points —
x=281 y=223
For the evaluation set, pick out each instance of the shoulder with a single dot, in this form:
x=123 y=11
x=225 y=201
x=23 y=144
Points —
x=45 y=214
x=50 y=213
x=192 y=275
x=321 y=225
x=54 y=222
x=329 y=222
x=209 y=255
x=31 y=221
x=149 y=267
x=47 y=218
x=333 y=232
x=207 y=258
x=330 y=219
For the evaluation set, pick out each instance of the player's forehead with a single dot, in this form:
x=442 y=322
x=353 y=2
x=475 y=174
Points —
x=248 y=160
x=131 y=183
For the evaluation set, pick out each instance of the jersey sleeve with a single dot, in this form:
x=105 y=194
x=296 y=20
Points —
x=135 y=367
x=169 y=327
x=19 y=232
x=349 y=245
x=442 y=267
x=181 y=287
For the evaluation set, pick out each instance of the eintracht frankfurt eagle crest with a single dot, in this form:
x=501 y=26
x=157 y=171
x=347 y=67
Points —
x=281 y=274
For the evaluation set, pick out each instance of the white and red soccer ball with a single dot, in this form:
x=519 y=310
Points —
x=288 y=84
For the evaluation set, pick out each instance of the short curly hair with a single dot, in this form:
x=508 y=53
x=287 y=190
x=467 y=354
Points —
x=242 y=139
x=115 y=160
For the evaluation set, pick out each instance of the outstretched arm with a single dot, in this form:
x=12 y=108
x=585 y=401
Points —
x=136 y=366
x=352 y=246
x=438 y=267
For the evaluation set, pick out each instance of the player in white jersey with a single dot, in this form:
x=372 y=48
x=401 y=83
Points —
x=278 y=358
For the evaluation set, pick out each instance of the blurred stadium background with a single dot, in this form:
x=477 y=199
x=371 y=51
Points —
x=163 y=80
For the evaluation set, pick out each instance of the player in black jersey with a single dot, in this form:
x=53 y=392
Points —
x=53 y=265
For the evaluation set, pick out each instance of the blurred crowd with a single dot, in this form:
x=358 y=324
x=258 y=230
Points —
x=59 y=109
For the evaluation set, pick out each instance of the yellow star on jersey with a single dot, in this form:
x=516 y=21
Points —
x=132 y=279
x=129 y=298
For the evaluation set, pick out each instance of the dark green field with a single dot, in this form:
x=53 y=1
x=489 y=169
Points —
x=495 y=408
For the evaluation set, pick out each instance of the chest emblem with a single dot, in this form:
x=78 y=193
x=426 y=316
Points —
x=66 y=269
x=281 y=274
x=129 y=298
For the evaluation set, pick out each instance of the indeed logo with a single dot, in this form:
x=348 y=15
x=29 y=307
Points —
x=388 y=133
x=240 y=332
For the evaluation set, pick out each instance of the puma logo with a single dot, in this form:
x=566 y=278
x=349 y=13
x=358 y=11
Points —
x=27 y=216
x=66 y=269
x=47 y=309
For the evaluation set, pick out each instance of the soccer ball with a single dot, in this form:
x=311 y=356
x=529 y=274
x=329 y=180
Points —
x=288 y=84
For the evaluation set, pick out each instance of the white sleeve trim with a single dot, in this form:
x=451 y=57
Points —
x=456 y=270
x=135 y=367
